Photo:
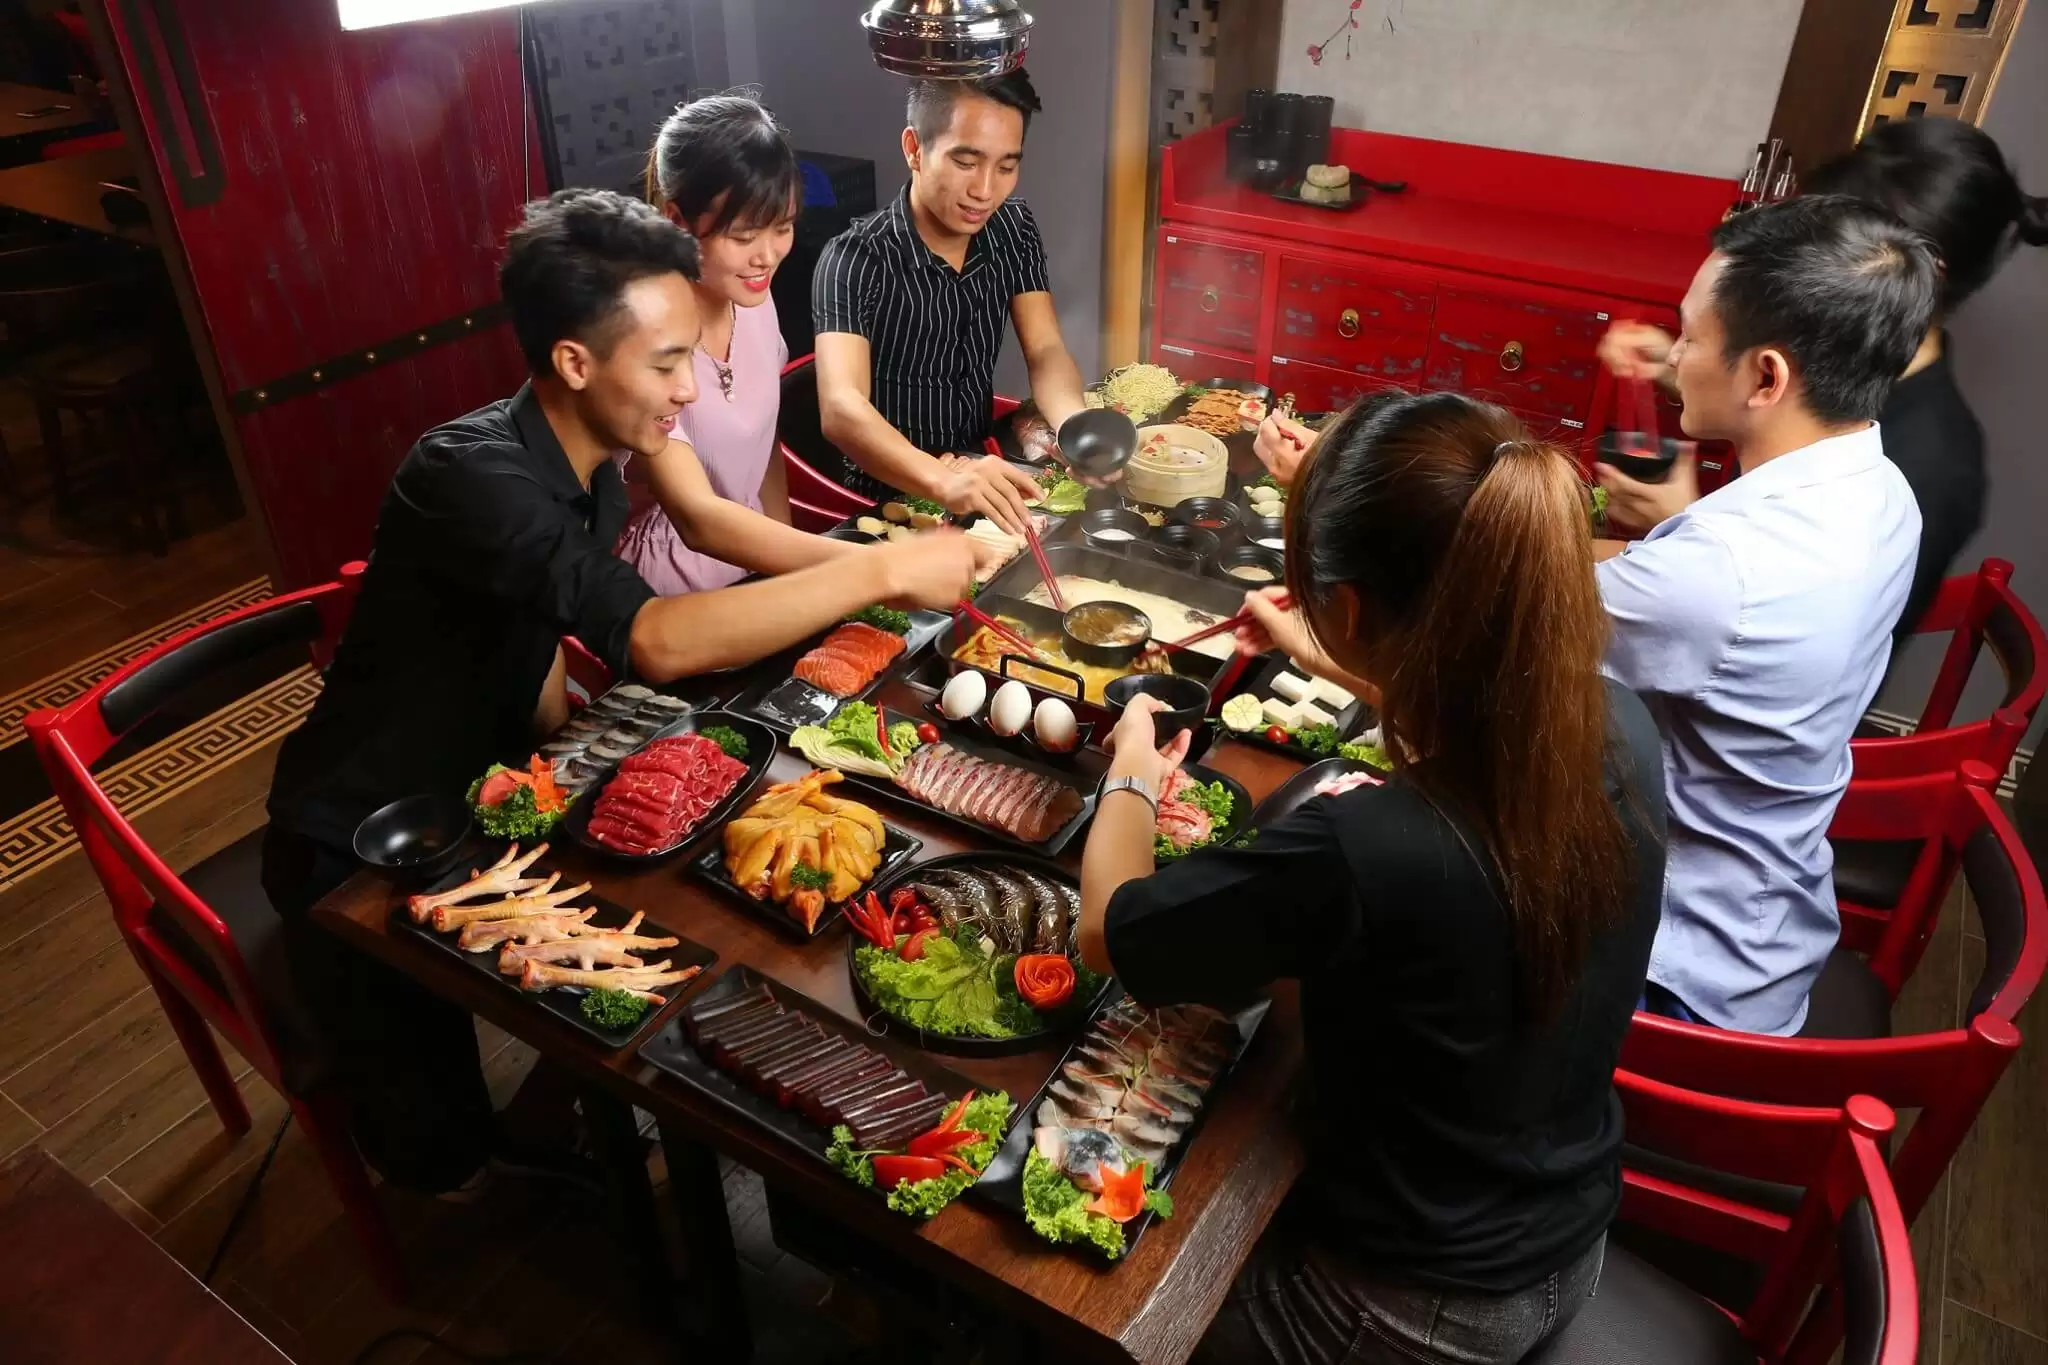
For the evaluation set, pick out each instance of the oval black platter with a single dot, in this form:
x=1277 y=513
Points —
x=760 y=753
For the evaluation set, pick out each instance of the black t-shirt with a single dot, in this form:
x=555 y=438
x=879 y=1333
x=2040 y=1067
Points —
x=488 y=551
x=1932 y=436
x=1450 y=1143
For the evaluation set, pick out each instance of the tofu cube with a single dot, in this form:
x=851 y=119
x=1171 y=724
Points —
x=1281 y=713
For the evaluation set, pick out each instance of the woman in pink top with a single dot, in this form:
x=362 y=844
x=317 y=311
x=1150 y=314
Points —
x=714 y=506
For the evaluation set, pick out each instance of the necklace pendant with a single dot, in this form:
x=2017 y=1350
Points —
x=725 y=382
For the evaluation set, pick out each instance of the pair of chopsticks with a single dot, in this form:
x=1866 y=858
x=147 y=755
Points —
x=1639 y=402
x=1052 y=583
x=1221 y=627
x=1001 y=631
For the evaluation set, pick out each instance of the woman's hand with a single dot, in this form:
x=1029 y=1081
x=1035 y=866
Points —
x=1274 y=625
x=1636 y=350
x=1281 y=445
x=1131 y=744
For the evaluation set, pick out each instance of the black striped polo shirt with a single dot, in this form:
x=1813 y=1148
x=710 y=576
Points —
x=933 y=332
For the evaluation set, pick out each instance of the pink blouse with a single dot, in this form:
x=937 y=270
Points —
x=734 y=440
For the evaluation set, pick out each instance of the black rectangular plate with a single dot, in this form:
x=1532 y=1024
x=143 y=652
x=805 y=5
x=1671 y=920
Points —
x=761 y=745
x=1291 y=795
x=710 y=866
x=671 y=1052
x=1292 y=195
x=567 y=1003
x=1002 y=1184
x=787 y=702
x=988 y=749
x=1258 y=679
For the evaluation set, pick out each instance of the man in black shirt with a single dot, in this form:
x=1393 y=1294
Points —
x=493 y=544
x=911 y=305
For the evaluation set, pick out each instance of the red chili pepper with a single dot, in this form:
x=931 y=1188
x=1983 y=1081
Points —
x=882 y=732
x=939 y=1143
x=891 y=1171
x=871 y=921
x=948 y=1159
x=952 y=1119
x=902 y=898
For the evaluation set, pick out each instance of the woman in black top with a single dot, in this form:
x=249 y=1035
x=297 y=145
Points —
x=1946 y=179
x=1471 y=937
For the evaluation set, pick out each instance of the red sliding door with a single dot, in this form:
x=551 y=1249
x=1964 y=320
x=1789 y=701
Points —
x=339 y=200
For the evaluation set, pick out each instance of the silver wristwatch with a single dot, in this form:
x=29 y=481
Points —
x=1128 y=784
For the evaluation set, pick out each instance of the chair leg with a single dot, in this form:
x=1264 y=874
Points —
x=56 y=458
x=321 y=1118
x=203 y=1051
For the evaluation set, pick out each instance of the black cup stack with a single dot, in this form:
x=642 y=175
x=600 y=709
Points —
x=1279 y=137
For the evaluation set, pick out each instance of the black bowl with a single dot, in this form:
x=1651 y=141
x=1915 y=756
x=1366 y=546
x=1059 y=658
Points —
x=417 y=838
x=1248 y=557
x=1098 y=442
x=1624 y=450
x=1187 y=699
x=1190 y=543
x=1103 y=655
x=1134 y=527
x=1219 y=516
x=1256 y=529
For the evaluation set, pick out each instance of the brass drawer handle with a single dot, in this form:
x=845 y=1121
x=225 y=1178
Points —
x=1211 y=299
x=1511 y=356
x=1347 y=325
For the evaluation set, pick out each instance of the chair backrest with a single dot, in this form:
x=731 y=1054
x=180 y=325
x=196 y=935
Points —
x=1947 y=1076
x=1835 y=1155
x=585 y=669
x=1975 y=609
x=812 y=462
x=138 y=883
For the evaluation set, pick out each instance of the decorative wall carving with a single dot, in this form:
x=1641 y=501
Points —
x=1941 y=59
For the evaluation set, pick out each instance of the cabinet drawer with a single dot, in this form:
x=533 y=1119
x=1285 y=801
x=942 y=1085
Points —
x=1318 y=388
x=1351 y=318
x=1209 y=295
x=1537 y=358
x=1194 y=364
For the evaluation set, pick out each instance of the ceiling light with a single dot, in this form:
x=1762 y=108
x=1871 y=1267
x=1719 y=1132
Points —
x=377 y=13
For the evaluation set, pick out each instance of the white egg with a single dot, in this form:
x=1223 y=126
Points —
x=1054 y=725
x=1010 y=712
x=963 y=695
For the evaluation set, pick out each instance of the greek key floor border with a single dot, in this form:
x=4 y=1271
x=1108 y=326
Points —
x=74 y=681
x=41 y=835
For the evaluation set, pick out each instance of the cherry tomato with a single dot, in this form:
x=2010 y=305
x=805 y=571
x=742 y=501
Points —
x=928 y=733
x=1276 y=734
x=913 y=947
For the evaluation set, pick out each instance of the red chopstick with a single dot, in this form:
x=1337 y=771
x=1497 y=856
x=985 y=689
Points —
x=1001 y=631
x=1231 y=624
x=1052 y=584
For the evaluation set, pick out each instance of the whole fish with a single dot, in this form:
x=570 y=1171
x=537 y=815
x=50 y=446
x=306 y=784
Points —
x=1081 y=1153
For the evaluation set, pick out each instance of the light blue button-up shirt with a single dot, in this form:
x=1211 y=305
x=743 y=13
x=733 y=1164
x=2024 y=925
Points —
x=1757 y=625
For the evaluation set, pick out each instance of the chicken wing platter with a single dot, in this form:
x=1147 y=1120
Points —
x=885 y=1116
x=1090 y=1158
x=601 y=967
x=801 y=851
x=684 y=781
x=974 y=953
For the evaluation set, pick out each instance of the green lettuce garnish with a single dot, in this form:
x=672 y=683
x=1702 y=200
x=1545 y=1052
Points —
x=1057 y=1209
x=1212 y=797
x=516 y=817
x=853 y=725
x=959 y=988
x=986 y=1114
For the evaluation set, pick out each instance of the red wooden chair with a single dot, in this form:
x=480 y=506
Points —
x=1847 y=1228
x=1946 y=1076
x=207 y=939
x=817 y=501
x=585 y=669
x=1976 y=610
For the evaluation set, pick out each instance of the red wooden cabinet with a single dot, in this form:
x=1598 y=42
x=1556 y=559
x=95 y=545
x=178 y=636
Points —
x=1494 y=274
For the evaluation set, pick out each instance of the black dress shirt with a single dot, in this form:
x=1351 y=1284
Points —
x=488 y=551
x=1451 y=1142
x=1930 y=433
x=933 y=332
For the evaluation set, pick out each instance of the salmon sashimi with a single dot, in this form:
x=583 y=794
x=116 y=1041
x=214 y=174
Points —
x=848 y=659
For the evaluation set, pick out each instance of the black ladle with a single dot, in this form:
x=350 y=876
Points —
x=1097 y=443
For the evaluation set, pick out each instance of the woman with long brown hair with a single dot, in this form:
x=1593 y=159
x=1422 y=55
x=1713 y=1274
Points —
x=1470 y=936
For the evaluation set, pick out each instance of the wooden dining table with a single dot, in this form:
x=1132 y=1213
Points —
x=68 y=190
x=1150 y=1307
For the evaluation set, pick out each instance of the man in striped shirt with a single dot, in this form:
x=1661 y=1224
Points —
x=911 y=304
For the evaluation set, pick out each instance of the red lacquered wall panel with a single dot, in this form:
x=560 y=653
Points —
x=1209 y=295
x=1537 y=358
x=358 y=188
x=1350 y=316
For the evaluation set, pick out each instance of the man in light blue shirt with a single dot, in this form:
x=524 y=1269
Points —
x=1757 y=621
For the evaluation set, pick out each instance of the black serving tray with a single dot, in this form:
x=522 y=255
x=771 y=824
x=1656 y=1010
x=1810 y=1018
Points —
x=788 y=702
x=709 y=866
x=880 y=1022
x=1002 y=1184
x=761 y=743
x=1291 y=193
x=566 y=1003
x=990 y=749
x=1291 y=795
x=671 y=1052
x=1240 y=808
x=1258 y=681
